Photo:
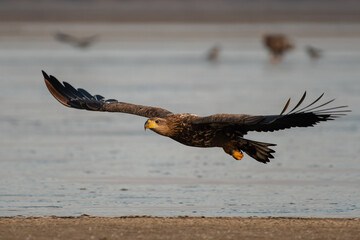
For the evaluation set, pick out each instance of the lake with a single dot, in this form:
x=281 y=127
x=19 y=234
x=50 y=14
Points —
x=66 y=162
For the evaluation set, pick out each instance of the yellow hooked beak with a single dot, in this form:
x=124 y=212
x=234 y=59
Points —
x=150 y=124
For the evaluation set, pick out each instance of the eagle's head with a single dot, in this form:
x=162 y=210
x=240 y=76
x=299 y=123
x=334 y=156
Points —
x=158 y=125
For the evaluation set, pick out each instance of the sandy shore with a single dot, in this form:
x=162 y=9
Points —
x=178 y=228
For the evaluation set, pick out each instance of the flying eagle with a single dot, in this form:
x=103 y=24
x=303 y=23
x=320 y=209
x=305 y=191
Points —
x=219 y=130
x=278 y=45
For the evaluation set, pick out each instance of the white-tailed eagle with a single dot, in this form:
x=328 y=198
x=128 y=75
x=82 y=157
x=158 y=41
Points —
x=219 y=130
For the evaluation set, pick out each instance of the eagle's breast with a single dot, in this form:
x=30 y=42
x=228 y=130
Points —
x=192 y=134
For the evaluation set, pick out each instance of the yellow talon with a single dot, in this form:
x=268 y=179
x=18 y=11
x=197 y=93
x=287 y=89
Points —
x=238 y=155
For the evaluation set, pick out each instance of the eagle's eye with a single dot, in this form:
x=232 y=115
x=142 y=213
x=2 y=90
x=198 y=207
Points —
x=157 y=121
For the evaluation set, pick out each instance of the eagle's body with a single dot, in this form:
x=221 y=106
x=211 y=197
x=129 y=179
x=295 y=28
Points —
x=186 y=129
x=183 y=130
x=219 y=130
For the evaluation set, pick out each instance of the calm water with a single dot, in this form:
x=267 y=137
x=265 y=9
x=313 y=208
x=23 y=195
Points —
x=60 y=161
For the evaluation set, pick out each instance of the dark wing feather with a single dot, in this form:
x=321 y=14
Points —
x=305 y=117
x=81 y=99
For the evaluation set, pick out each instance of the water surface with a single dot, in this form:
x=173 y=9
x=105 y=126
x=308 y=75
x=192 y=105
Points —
x=60 y=161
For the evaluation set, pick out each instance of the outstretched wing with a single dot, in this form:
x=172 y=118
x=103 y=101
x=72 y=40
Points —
x=81 y=99
x=307 y=116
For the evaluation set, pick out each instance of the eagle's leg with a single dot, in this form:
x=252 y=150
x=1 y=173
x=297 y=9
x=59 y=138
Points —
x=238 y=155
x=234 y=151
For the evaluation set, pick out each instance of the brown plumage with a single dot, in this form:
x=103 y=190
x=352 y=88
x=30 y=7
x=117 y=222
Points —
x=219 y=130
x=278 y=45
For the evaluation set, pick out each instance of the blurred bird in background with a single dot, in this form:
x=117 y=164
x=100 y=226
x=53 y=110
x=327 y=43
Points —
x=214 y=53
x=83 y=43
x=278 y=45
x=314 y=53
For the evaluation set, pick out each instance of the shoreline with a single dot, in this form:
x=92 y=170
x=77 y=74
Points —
x=146 y=227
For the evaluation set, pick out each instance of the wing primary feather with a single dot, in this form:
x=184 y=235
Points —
x=45 y=74
x=333 y=108
x=311 y=109
x=301 y=100
x=98 y=97
x=85 y=93
x=286 y=106
x=310 y=104
x=56 y=89
x=71 y=89
x=57 y=85
x=331 y=113
x=338 y=114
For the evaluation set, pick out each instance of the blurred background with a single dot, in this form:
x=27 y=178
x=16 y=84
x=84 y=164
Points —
x=202 y=57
